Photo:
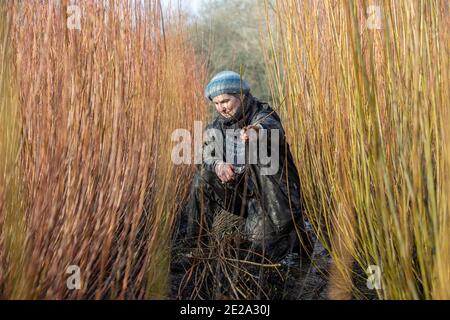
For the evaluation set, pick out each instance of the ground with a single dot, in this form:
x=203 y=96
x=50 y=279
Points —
x=304 y=280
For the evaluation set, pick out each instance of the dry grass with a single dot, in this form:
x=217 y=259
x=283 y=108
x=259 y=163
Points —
x=366 y=111
x=223 y=266
x=92 y=111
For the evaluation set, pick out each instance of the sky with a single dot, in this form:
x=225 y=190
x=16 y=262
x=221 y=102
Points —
x=194 y=5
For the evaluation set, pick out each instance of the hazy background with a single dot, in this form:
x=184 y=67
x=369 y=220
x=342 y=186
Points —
x=227 y=35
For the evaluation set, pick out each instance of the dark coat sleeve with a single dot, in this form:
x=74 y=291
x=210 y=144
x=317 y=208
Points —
x=279 y=193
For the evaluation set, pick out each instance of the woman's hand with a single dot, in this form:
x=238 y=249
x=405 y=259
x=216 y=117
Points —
x=250 y=132
x=225 y=171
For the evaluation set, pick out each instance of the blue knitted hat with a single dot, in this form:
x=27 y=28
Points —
x=226 y=82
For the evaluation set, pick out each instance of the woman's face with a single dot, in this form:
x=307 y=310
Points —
x=227 y=104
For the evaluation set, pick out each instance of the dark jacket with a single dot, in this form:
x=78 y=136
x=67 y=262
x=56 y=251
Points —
x=273 y=201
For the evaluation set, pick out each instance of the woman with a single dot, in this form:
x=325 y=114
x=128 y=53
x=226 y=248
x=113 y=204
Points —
x=264 y=193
